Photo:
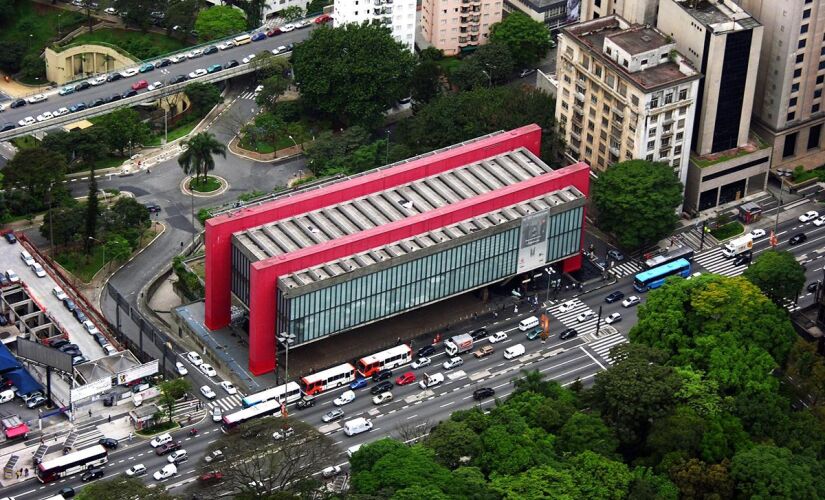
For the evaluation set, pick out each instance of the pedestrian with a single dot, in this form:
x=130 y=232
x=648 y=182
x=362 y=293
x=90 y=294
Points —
x=130 y=437
x=41 y=440
x=110 y=418
x=90 y=413
x=18 y=474
x=27 y=472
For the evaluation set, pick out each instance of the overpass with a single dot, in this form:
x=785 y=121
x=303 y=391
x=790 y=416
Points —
x=55 y=101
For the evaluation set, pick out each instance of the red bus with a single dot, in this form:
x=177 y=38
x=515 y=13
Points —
x=328 y=379
x=72 y=463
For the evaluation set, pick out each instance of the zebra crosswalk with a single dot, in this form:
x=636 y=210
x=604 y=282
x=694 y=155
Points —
x=714 y=262
x=569 y=318
x=603 y=345
x=226 y=403
x=626 y=268
x=251 y=95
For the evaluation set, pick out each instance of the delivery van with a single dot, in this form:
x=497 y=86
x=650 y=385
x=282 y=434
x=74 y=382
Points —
x=352 y=449
x=428 y=380
x=6 y=396
x=357 y=426
x=513 y=351
x=528 y=323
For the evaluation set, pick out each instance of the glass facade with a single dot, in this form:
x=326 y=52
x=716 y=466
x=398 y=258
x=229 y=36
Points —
x=415 y=283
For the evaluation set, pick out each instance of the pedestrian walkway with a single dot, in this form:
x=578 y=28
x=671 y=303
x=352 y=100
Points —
x=193 y=408
x=87 y=438
x=569 y=318
x=714 y=262
x=626 y=268
x=248 y=94
x=226 y=403
x=603 y=346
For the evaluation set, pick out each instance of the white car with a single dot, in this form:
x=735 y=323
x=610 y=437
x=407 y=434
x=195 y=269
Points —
x=194 y=358
x=248 y=59
x=61 y=112
x=279 y=50
x=195 y=53
x=331 y=471
x=631 y=301
x=421 y=362
x=159 y=440
x=59 y=293
x=382 y=398
x=126 y=73
x=37 y=98
x=111 y=11
x=819 y=220
x=497 y=337
x=758 y=233
x=100 y=80
x=26 y=121
x=181 y=369
x=287 y=28
x=197 y=73
x=37 y=269
x=226 y=45
x=346 y=397
x=47 y=115
x=567 y=306
x=453 y=362
x=217 y=414
x=284 y=433
x=12 y=276
x=177 y=58
x=90 y=327
x=259 y=88
x=613 y=318
x=166 y=472
x=208 y=370
x=808 y=216
x=176 y=456
x=155 y=86
x=303 y=24
x=228 y=387
x=207 y=392
x=585 y=316
x=136 y=470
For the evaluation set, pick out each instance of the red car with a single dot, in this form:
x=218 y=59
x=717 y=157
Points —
x=323 y=19
x=274 y=31
x=141 y=84
x=407 y=378
x=212 y=477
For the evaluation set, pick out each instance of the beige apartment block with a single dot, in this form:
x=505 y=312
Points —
x=456 y=26
x=624 y=93
x=634 y=11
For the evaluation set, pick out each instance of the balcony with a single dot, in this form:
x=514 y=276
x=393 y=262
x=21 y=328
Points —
x=580 y=96
x=576 y=135
x=614 y=151
x=578 y=109
x=618 y=112
x=577 y=119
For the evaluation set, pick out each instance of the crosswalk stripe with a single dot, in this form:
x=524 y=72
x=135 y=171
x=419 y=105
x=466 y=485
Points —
x=602 y=346
x=226 y=403
x=625 y=269
x=713 y=261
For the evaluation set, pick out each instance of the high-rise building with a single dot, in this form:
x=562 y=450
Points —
x=455 y=26
x=788 y=101
x=723 y=41
x=398 y=15
x=634 y=11
x=624 y=93
x=553 y=13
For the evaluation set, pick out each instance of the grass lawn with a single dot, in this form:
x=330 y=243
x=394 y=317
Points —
x=179 y=131
x=140 y=45
x=205 y=185
x=25 y=142
x=81 y=265
x=448 y=64
x=301 y=135
x=36 y=25
x=728 y=230
x=157 y=429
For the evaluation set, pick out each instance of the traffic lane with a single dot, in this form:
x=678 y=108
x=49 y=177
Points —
x=56 y=101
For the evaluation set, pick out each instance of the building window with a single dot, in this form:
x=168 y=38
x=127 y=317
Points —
x=815 y=108
x=803 y=29
x=789 y=149
x=821 y=64
x=635 y=100
x=806 y=13
x=643 y=62
x=654 y=103
x=820 y=79
x=668 y=98
x=597 y=3
x=800 y=58
x=649 y=157
x=817 y=93
x=795 y=87
x=791 y=116
x=798 y=72
x=792 y=102
x=801 y=44
x=814 y=136
x=683 y=94
x=651 y=145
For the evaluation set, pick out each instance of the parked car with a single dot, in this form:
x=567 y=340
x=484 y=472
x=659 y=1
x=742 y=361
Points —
x=155 y=86
x=36 y=402
x=113 y=77
x=178 y=79
x=145 y=68
x=286 y=28
x=59 y=293
x=214 y=68
x=108 y=443
x=194 y=54
x=210 y=50
x=38 y=271
x=197 y=73
x=274 y=32
x=332 y=415
x=384 y=386
x=140 y=84
x=129 y=93
x=79 y=315
x=257 y=37
x=323 y=19
x=231 y=64
x=67 y=90
x=12 y=276
x=10 y=237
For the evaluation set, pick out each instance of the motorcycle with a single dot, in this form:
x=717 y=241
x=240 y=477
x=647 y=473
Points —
x=193 y=432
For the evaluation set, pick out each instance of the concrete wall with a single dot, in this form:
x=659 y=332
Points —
x=635 y=11
x=81 y=61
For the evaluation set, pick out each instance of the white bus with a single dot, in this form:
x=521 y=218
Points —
x=271 y=407
x=328 y=379
x=72 y=463
x=288 y=393
x=390 y=358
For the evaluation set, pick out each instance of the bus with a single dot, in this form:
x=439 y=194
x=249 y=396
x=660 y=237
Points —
x=232 y=420
x=328 y=379
x=684 y=252
x=72 y=463
x=288 y=393
x=390 y=358
x=655 y=277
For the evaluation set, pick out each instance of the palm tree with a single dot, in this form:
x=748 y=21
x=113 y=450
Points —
x=198 y=158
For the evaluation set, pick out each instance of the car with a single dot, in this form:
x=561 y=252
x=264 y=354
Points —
x=248 y=59
x=163 y=63
x=526 y=71
x=346 y=397
x=331 y=471
x=585 y=316
x=129 y=93
x=484 y=392
x=207 y=370
x=57 y=342
x=110 y=10
x=113 y=77
x=109 y=443
x=181 y=369
x=67 y=90
x=615 y=255
x=91 y=474
x=631 y=301
x=3 y=280
x=35 y=402
x=166 y=472
x=358 y=383
x=614 y=296
x=451 y=363
x=217 y=413
x=194 y=54
x=100 y=339
x=37 y=269
x=274 y=32
x=126 y=73
x=303 y=23
x=61 y=112
x=37 y=98
x=570 y=304
x=226 y=45
x=109 y=399
x=211 y=476
x=613 y=318
x=116 y=97
x=257 y=37
x=305 y=402
x=10 y=237
x=207 y=392
x=808 y=216
x=178 y=79
x=228 y=387
x=153 y=208
x=19 y=103
x=384 y=397
x=47 y=115
x=797 y=239
x=140 y=84
x=214 y=68
x=178 y=58
x=7 y=126
x=421 y=362
x=82 y=86
x=78 y=359
x=384 y=386
x=66 y=492
x=323 y=19
x=177 y=457
x=758 y=233
x=812 y=287
x=283 y=433
x=136 y=470
x=215 y=456
x=210 y=50
x=286 y=28
x=29 y=120
x=155 y=86
x=332 y=415
x=568 y=334
x=77 y=107
x=483 y=351
x=98 y=80
x=381 y=375
x=109 y=349
x=279 y=50
x=427 y=350
x=96 y=103
x=194 y=358
x=79 y=315
x=231 y=64
x=90 y=327
x=479 y=334
x=404 y=379
x=12 y=276
x=535 y=333
x=497 y=337
x=819 y=220
x=197 y=73
x=59 y=293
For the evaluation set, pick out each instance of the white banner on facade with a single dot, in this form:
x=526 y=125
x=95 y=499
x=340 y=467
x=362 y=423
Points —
x=92 y=388
x=137 y=372
x=532 y=252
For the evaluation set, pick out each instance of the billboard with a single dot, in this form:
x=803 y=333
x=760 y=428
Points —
x=39 y=353
x=91 y=389
x=532 y=250
x=574 y=8
x=137 y=372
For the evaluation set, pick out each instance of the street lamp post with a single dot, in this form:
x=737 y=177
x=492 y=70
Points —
x=781 y=173
x=489 y=79
x=286 y=339
x=104 y=249
x=387 y=153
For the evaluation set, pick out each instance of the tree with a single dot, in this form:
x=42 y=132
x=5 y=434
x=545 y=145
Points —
x=807 y=369
x=219 y=21
x=431 y=54
x=599 y=477
x=120 y=487
x=92 y=213
x=646 y=485
x=198 y=158
x=126 y=218
x=353 y=73
x=291 y=13
x=528 y=40
x=510 y=446
x=272 y=89
x=118 y=248
x=12 y=55
x=254 y=10
x=202 y=96
x=681 y=432
x=123 y=129
x=451 y=440
x=181 y=13
x=496 y=60
x=137 y=11
x=400 y=468
x=329 y=149
x=778 y=274
x=267 y=64
x=696 y=479
x=32 y=68
x=538 y=483
x=765 y=471
x=425 y=81
x=636 y=201
x=170 y=392
x=583 y=432
x=270 y=127
x=33 y=170
x=65 y=225
x=469 y=75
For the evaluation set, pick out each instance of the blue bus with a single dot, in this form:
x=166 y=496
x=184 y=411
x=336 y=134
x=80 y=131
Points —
x=654 y=278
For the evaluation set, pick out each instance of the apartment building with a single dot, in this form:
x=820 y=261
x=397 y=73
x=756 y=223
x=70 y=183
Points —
x=624 y=93
x=723 y=41
x=634 y=11
x=552 y=13
x=456 y=26
x=788 y=109
x=398 y=15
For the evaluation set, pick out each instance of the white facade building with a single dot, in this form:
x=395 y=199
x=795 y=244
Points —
x=398 y=15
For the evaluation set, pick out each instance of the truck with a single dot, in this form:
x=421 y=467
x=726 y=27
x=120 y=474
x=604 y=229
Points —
x=483 y=351
x=738 y=245
x=458 y=344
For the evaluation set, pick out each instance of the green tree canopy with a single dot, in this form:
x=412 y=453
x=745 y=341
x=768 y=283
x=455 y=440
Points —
x=33 y=170
x=292 y=13
x=198 y=159
x=219 y=21
x=202 y=96
x=636 y=201
x=353 y=73
x=538 y=483
x=584 y=432
x=123 y=129
x=453 y=440
x=697 y=479
x=469 y=75
x=401 y=468
x=528 y=40
x=778 y=274
x=120 y=487
x=598 y=477
x=496 y=59
x=765 y=471
x=273 y=87
x=425 y=81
